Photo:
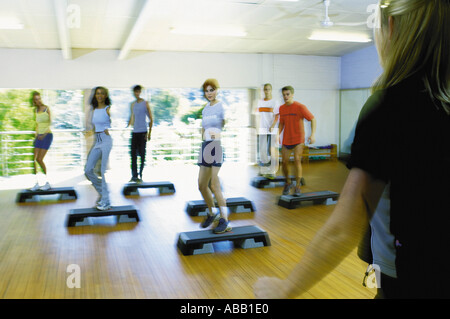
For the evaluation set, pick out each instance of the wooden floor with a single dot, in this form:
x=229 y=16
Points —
x=141 y=260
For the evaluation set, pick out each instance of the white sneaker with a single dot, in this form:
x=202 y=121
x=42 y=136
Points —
x=102 y=206
x=46 y=187
x=35 y=187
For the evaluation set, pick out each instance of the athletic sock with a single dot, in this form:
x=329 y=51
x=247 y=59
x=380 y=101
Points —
x=224 y=211
x=213 y=212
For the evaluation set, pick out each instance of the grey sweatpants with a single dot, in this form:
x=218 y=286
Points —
x=100 y=151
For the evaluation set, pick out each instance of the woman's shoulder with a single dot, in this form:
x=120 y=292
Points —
x=44 y=109
x=376 y=104
x=220 y=105
x=396 y=97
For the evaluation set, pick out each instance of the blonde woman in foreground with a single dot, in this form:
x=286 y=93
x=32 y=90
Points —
x=409 y=110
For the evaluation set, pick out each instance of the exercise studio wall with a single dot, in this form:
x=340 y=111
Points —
x=316 y=79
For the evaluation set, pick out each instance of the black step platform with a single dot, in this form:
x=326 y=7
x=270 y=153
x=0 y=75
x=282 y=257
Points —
x=323 y=197
x=163 y=187
x=31 y=196
x=277 y=181
x=235 y=204
x=200 y=242
x=79 y=217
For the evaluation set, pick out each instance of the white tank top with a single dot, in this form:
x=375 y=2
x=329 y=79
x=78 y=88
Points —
x=101 y=120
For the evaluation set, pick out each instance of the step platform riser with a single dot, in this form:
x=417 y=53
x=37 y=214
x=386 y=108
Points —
x=27 y=196
x=83 y=216
x=324 y=198
x=163 y=188
x=201 y=242
x=236 y=205
x=278 y=181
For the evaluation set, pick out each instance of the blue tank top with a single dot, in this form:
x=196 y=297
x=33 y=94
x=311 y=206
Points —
x=101 y=120
x=140 y=117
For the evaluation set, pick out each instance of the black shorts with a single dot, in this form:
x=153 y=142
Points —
x=211 y=154
x=291 y=147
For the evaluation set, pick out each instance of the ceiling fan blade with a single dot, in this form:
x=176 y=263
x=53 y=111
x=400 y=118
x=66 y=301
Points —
x=351 y=24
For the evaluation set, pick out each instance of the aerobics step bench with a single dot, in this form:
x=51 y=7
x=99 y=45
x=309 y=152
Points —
x=29 y=195
x=79 y=217
x=277 y=181
x=235 y=204
x=163 y=187
x=323 y=197
x=200 y=242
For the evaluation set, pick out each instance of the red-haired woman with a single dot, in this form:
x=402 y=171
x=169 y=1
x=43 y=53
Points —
x=211 y=158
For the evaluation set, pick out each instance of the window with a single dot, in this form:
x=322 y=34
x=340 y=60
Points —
x=176 y=134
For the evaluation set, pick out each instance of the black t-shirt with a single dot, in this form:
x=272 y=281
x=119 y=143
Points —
x=401 y=137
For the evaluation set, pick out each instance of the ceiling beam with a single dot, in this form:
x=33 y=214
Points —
x=135 y=31
x=63 y=31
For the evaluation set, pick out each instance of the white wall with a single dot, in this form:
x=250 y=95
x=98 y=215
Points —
x=352 y=101
x=360 y=68
x=315 y=79
x=47 y=69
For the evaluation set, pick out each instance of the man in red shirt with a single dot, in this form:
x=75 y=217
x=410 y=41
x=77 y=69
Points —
x=292 y=114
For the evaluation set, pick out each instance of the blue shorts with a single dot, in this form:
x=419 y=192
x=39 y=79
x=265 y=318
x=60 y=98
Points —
x=211 y=154
x=45 y=142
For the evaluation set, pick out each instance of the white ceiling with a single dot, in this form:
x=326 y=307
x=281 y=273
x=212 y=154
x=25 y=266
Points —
x=272 y=26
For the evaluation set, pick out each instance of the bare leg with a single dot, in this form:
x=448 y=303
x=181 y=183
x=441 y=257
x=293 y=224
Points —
x=36 y=150
x=215 y=188
x=204 y=176
x=298 y=151
x=40 y=159
x=285 y=154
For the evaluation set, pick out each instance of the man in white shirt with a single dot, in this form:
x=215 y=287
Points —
x=267 y=118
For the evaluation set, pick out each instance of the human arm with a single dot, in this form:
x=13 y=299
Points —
x=150 y=125
x=131 y=120
x=280 y=130
x=36 y=129
x=108 y=111
x=333 y=242
x=48 y=130
x=275 y=120
x=312 y=138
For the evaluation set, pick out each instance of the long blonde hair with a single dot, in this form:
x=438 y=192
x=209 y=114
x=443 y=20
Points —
x=419 y=43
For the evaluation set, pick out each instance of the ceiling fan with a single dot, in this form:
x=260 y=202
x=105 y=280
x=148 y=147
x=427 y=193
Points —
x=327 y=23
